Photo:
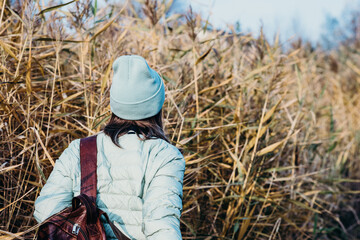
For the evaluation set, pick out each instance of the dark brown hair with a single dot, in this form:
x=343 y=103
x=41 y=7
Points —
x=149 y=128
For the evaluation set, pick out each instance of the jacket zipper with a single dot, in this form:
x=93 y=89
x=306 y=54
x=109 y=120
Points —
x=73 y=223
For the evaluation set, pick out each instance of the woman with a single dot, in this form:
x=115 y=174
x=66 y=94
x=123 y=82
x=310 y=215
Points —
x=140 y=174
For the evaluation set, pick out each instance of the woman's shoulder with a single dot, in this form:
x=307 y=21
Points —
x=155 y=148
x=161 y=153
x=74 y=147
x=71 y=152
x=160 y=146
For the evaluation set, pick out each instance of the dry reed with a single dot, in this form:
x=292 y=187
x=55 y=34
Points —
x=271 y=138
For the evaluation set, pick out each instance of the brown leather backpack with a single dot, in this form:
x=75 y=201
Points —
x=82 y=219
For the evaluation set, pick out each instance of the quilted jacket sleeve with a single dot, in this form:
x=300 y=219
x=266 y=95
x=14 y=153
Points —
x=162 y=202
x=58 y=190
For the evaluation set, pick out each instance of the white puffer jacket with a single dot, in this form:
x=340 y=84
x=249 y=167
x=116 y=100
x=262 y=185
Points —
x=139 y=186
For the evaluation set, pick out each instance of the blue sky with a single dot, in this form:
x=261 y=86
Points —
x=288 y=17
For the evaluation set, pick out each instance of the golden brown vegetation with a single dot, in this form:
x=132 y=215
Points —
x=271 y=138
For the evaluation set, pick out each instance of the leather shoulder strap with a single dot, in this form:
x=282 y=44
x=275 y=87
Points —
x=119 y=235
x=88 y=165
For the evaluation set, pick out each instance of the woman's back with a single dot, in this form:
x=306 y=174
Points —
x=139 y=185
x=139 y=181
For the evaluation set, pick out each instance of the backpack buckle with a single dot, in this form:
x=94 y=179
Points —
x=76 y=229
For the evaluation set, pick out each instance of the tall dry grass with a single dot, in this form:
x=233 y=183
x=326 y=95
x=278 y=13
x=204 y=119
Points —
x=271 y=138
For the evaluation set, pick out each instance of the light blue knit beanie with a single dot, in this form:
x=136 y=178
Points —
x=137 y=91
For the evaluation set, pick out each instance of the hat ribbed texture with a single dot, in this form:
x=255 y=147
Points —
x=137 y=91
